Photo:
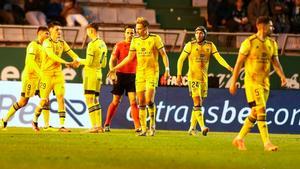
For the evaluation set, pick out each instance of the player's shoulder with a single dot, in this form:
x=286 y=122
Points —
x=61 y=41
x=208 y=42
x=192 y=42
x=48 y=40
x=153 y=35
x=271 y=40
x=33 y=43
x=251 y=38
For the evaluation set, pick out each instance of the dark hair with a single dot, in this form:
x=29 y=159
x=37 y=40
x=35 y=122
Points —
x=143 y=21
x=128 y=27
x=202 y=29
x=42 y=28
x=93 y=25
x=52 y=24
x=263 y=20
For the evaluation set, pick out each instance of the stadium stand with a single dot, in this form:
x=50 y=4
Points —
x=173 y=20
x=176 y=14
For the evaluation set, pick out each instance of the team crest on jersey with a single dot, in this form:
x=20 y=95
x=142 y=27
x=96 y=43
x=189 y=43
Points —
x=143 y=49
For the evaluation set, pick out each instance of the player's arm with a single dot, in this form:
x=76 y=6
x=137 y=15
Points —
x=52 y=55
x=30 y=59
x=90 y=54
x=184 y=54
x=130 y=57
x=220 y=59
x=70 y=52
x=34 y=65
x=278 y=68
x=160 y=46
x=103 y=59
x=236 y=71
x=165 y=59
x=113 y=57
x=243 y=53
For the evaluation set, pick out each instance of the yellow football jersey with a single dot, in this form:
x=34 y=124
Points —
x=147 y=51
x=198 y=57
x=52 y=61
x=33 y=61
x=95 y=55
x=259 y=55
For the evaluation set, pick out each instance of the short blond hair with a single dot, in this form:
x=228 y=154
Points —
x=143 y=21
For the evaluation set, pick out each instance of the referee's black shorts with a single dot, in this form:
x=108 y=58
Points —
x=125 y=83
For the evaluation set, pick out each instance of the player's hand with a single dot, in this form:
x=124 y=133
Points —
x=75 y=64
x=68 y=64
x=112 y=76
x=283 y=82
x=167 y=74
x=231 y=69
x=233 y=88
x=179 y=80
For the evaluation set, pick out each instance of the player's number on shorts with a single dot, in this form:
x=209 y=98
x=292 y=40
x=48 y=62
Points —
x=195 y=84
x=43 y=86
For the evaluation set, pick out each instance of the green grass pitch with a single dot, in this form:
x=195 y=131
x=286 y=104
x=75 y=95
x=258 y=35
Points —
x=21 y=148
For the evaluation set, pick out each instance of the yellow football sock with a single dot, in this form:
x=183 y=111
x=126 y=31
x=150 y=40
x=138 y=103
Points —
x=248 y=125
x=199 y=116
x=152 y=113
x=143 y=118
x=62 y=117
x=193 y=121
x=92 y=118
x=12 y=110
x=46 y=115
x=37 y=114
x=98 y=118
x=263 y=127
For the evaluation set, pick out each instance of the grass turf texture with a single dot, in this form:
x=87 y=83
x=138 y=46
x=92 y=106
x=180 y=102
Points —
x=23 y=149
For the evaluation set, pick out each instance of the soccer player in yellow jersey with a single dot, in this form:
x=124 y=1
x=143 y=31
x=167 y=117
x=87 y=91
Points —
x=198 y=53
x=146 y=47
x=92 y=76
x=31 y=74
x=257 y=53
x=52 y=74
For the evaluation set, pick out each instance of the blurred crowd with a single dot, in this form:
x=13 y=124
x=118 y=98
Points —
x=223 y=15
x=41 y=12
x=240 y=15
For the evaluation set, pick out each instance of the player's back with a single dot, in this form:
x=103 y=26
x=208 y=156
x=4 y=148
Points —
x=147 y=52
x=259 y=55
x=97 y=51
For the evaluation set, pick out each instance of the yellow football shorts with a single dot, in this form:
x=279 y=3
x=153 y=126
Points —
x=55 y=81
x=197 y=88
x=146 y=80
x=29 y=85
